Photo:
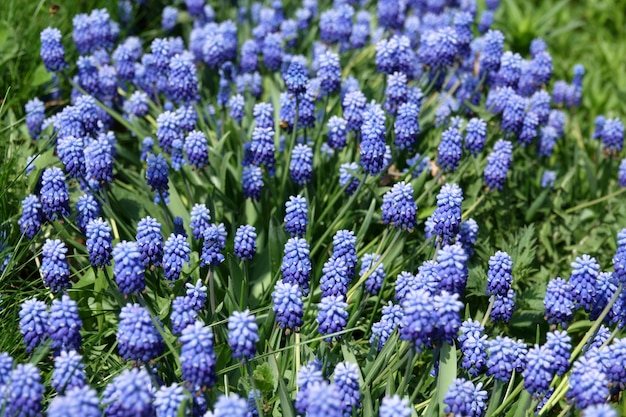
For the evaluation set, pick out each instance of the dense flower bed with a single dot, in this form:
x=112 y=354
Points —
x=268 y=210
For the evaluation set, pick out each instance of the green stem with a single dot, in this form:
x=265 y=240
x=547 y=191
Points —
x=594 y=202
x=257 y=400
x=473 y=206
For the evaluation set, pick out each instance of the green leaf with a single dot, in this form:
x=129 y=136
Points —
x=447 y=372
x=263 y=378
x=40 y=76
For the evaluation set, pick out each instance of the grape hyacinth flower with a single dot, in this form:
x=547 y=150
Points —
x=230 y=406
x=200 y=220
x=301 y=165
x=373 y=139
x=35 y=115
x=374 y=281
x=243 y=334
x=129 y=394
x=157 y=176
x=559 y=302
x=197 y=357
x=25 y=392
x=197 y=149
x=33 y=323
x=71 y=152
x=613 y=136
x=252 y=182
x=447 y=216
x=500 y=274
x=128 y=268
x=87 y=209
x=81 y=401
x=32 y=216
x=506 y=355
x=182 y=79
x=64 y=325
x=450 y=150
x=149 y=241
x=475 y=136
x=176 y=252
x=183 y=314
x=332 y=315
x=296 y=265
x=168 y=400
x=396 y=92
x=337 y=132
x=559 y=343
x=245 y=242
x=262 y=147
x=296 y=210
x=99 y=242
x=503 y=306
x=236 y=104
x=55 y=269
x=468 y=233
x=52 y=51
x=389 y=322
x=346 y=380
x=599 y=410
x=168 y=130
x=598 y=126
x=68 y=372
x=55 y=196
x=354 y=104
x=498 y=164
x=137 y=337
x=465 y=399
x=288 y=305
x=212 y=246
x=308 y=375
x=585 y=272
x=588 y=384
x=399 y=208
x=331 y=406
x=348 y=178
x=538 y=373
x=395 y=406
x=406 y=127
x=473 y=343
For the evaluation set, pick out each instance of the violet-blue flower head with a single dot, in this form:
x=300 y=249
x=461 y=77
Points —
x=406 y=126
x=450 y=150
x=506 y=355
x=129 y=394
x=296 y=265
x=465 y=399
x=128 y=267
x=197 y=149
x=473 y=344
x=447 y=215
x=176 y=252
x=245 y=242
x=33 y=323
x=99 y=242
x=197 y=357
x=55 y=269
x=52 y=51
x=296 y=210
x=137 y=337
x=32 y=216
x=55 y=196
x=399 y=208
x=373 y=139
x=559 y=302
x=68 y=372
x=583 y=280
x=243 y=334
x=332 y=315
x=64 y=325
x=288 y=305
x=157 y=176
